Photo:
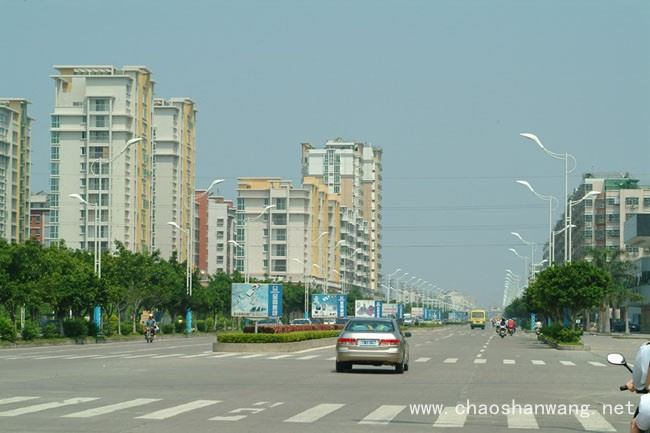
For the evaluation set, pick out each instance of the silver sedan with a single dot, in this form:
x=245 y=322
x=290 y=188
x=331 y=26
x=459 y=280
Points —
x=368 y=341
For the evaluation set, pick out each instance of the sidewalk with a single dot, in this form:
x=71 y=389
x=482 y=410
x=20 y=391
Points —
x=90 y=340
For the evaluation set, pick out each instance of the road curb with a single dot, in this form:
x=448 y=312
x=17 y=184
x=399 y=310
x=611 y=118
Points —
x=273 y=347
x=72 y=342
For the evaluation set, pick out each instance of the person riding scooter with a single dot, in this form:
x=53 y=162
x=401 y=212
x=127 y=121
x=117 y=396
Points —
x=511 y=326
x=640 y=383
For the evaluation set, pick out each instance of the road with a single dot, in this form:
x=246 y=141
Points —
x=180 y=385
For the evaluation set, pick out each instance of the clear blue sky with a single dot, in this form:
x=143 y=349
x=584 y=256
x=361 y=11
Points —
x=444 y=87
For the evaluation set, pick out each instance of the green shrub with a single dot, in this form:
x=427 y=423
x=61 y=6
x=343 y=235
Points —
x=50 y=330
x=276 y=338
x=7 y=331
x=200 y=325
x=75 y=328
x=110 y=326
x=209 y=325
x=92 y=329
x=30 y=331
x=179 y=326
x=167 y=328
x=560 y=334
x=139 y=328
x=127 y=327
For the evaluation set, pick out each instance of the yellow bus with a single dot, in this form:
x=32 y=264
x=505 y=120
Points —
x=477 y=319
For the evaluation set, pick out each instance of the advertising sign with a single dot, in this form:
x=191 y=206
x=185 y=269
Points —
x=389 y=311
x=364 y=308
x=379 y=308
x=256 y=300
x=428 y=314
x=417 y=312
x=437 y=315
x=325 y=305
x=400 y=311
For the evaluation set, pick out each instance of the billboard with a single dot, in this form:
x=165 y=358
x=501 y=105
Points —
x=324 y=305
x=389 y=310
x=256 y=300
x=368 y=308
x=417 y=312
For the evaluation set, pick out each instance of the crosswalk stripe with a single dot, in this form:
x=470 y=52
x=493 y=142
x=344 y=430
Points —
x=422 y=359
x=112 y=356
x=522 y=420
x=196 y=356
x=169 y=355
x=480 y=361
x=111 y=408
x=45 y=406
x=566 y=363
x=383 y=414
x=315 y=413
x=255 y=355
x=595 y=422
x=508 y=361
x=450 y=360
x=228 y=418
x=225 y=355
x=279 y=357
x=177 y=410
x=16 y=399
x=596 y=364
x=450 y=418
x=308 y=357
x=538 y=362
x=141 y=356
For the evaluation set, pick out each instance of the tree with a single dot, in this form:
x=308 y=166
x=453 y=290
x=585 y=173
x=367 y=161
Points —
x=571 y=287
x=517 y=308
x=620 y=281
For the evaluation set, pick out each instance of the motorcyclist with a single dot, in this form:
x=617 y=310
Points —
x=511 y=324
x=641 y=381
x=538 y=327
x=151 y=325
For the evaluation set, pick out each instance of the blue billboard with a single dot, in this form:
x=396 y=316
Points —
x=256 y=300
x=324 y=305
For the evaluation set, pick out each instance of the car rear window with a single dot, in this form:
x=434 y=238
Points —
x=369 y=326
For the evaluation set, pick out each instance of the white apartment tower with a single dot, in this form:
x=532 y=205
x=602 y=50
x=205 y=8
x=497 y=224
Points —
x=15 y=169
x=353 y=170
x=174 y=147
x=220 y=230
x=97 y=110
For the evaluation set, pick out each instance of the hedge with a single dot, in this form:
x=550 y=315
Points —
x=167 y=328
x=283 y=329
x=75 y=328
x=276 y=338
x=560 y=334
x=29 y=331
x=7 y=331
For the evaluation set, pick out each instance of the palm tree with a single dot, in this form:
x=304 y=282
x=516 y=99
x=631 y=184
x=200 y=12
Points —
x=619 y=292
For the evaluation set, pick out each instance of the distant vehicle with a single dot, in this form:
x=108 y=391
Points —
x=408 y=320
x=477 y=319
x=270 y=321
x=302 y=321
x=370 y=341
x=620 y=327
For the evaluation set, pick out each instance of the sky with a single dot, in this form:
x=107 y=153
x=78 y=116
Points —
x=444 y=87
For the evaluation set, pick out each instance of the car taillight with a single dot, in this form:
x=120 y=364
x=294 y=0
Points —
x=347 y=341
x=391 y=342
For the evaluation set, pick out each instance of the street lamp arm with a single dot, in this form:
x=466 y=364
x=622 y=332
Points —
x=534 y=138
x=204 y=193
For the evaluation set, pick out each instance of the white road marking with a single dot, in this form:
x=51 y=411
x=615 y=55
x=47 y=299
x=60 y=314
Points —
x=596 y=364
x=51 y=357
x=111 y=356
x=279 y=357
x=309 y=357
x=450 y=360
x=255 y=355
x=316 y=348
x=176 y=410
x=141 y=356
x=480 y=361
x=168 y=356
x=595 y=422
x=383 y=414
x=228 y=418
x=81 y=356
x=333 y=358
x=450 y=418
x=566 y=363
x=225 y=355
x=315 y=413
x=522 y=420
x=16 y=399
x=196 y=356
x=111 y=408
x=508 y=361
x=538 y=362
x=45 y=406
x=482 y=350
x=479 y=355
x=422 y=359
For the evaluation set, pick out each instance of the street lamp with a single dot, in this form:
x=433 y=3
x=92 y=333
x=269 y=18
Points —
x=555 y=233
x=565 y=157
x=249 y=220
x=306 y=290
x=320 y=270
x=571 y=204
x=525 y=266
x=531 y=243
x=550 y=199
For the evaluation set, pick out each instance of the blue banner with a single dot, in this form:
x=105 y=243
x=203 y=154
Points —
x=256 y=300
x=400 y=311
x=275 y=300
x=343 y=305
x=437 y=315
x=378 y=308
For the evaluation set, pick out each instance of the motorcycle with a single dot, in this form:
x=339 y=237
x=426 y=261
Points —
x=618 y=359
x=538 y=331
x=502 y=331
x=148 y=335
x=511 y=331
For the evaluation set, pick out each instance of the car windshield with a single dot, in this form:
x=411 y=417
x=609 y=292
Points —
x=369 y=326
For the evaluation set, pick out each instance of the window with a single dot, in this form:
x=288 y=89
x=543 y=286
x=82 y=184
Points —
x=220 y=222
x=100 y=105
x=632 y=201
x=280 y=235
x=219 y=260
x=54 y=232
x=37 y=219
x=279 y=250
x=280 y=219
x=54 y=137
x=266 y=248
x=240 y=219
x=101 y=121
x=266 y=263
x=55 y=122
x=280 y=203
x=646 y=201
x=337 y=189
x=240 y=235
x=54 y=184
x=83 y=150
x=266 y=233
x=241 y=203
x=589 y=218
x=589 y=202
x=611 y=201
x=99 y=136
x=265 y=217
x=54 y=216
x=54 y=200
x=239 y=265
x=54 y=168
x=279 y=265
x=267 y=202
x=220 y=235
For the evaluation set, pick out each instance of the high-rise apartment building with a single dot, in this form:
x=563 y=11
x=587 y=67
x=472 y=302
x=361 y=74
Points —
x=600 y=220
x=15 y=169
x=216 y=253
x=39 y=217
x=353 y=170
x=97 y=110
x=173 y=184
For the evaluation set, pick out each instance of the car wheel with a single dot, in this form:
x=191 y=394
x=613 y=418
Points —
x=406 y=367
x=342 y=367
x=399 y=368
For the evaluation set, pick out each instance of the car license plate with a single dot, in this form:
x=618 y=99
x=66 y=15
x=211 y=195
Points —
x=371 y=343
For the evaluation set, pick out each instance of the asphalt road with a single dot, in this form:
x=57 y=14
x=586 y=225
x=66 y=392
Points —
x=180 y=385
